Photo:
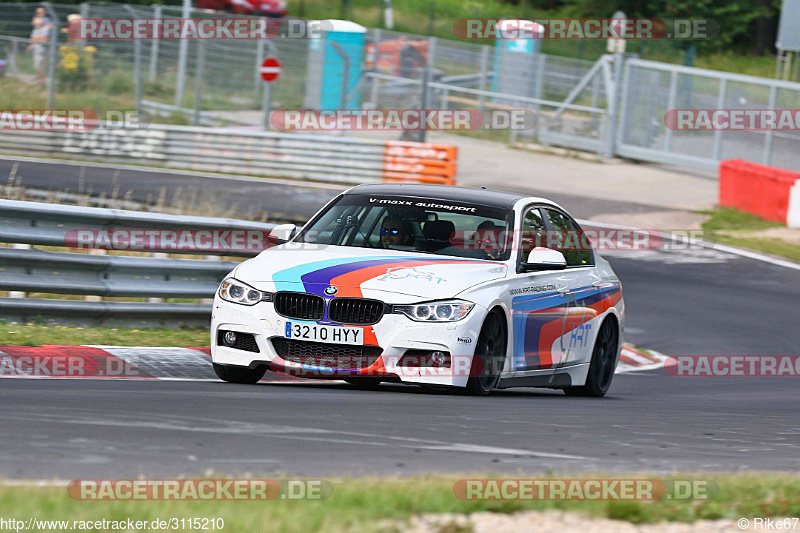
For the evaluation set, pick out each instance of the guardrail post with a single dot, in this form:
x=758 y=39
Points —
x=157 y=255
x=95 y=297
x=209 y=301
x=19 y=294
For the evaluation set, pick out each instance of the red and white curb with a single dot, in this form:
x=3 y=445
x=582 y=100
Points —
x=176 y=364
x=633 y=360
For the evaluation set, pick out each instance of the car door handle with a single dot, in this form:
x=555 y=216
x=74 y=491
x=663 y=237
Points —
x=563 y=290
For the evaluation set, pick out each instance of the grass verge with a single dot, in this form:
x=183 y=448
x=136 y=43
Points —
x=737 y=228
x=34 y=334
x=367 y=505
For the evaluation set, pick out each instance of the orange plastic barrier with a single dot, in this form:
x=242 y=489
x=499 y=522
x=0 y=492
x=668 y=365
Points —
x=756 y=189
x=411 y=162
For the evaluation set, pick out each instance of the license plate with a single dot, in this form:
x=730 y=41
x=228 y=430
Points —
x=315 y=332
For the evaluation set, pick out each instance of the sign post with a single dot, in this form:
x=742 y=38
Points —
x=270 y=69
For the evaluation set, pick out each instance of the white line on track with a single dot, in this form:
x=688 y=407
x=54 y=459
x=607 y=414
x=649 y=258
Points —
x=705 y=244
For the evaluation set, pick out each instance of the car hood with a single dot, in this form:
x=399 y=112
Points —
x=360 y=272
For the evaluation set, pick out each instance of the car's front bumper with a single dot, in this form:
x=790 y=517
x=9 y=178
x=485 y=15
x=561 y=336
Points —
x=395 y=334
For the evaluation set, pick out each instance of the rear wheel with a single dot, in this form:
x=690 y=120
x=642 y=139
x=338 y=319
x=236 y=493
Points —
x=601 y=369
x=490 y=354
x=239 y=374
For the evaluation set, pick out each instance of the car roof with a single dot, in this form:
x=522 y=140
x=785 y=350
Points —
x=505 y=200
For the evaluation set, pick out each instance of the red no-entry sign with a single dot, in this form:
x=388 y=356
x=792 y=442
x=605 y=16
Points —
x=270 y=69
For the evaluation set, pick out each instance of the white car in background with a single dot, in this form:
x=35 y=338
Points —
x=434 y=285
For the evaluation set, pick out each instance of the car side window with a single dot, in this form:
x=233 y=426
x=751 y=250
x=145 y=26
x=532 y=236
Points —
x=568 y=238
x=533 y=231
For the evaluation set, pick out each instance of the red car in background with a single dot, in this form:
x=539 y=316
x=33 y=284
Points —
x=259 y=8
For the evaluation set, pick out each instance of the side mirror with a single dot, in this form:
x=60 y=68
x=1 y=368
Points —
x=282 y=233
x=544 y=259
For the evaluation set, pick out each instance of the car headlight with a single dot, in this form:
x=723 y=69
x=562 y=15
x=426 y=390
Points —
x=444 y=311
x=233 y=290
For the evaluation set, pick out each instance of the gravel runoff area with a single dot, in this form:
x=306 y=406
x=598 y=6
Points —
x=551 y=522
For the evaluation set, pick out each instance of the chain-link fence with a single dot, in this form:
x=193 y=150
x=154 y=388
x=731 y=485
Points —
x=579 y=104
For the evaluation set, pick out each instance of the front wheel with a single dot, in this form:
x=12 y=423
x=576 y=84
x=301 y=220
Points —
x=601 y=369
x=239 y=374
x=490 y=353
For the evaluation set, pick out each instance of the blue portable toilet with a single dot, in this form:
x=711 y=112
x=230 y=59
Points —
x=516 y=60
x=325 y=70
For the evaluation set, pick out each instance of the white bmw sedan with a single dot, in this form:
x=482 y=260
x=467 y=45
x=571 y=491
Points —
x=433 y=285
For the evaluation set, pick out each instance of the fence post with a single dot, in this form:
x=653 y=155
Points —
x=51 y=67
x=183 y=51
x=613 y=106
x=12 y=59
x=198 y=80
x=769 y=140
x=257 y=81
x=671 y=102
x=485 y=50
x=723 y=85
x=154 y=45
x=137 y=61
x=424 y=89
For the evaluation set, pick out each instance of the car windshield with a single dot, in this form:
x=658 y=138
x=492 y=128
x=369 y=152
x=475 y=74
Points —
x=425 y=225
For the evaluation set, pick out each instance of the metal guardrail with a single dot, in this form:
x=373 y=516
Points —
x=30 y=270
x=290 y=155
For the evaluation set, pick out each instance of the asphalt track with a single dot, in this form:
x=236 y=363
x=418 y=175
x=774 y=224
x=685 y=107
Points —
x=687 y=302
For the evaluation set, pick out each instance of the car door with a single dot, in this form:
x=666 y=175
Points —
x=585 y=286
x=539 y=303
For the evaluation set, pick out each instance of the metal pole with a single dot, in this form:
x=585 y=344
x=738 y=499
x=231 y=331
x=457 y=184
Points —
x=723 y=84
x=485 y=50
x=267 y=105
x=12 y=60
x=769 y=141
x=183 y=50
x=257 y=81
x=51 y=68
x=613 y=106
x=137 y=59
x=671 y=103
x=198 y=80
x=426 y=79
x=154 y=44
